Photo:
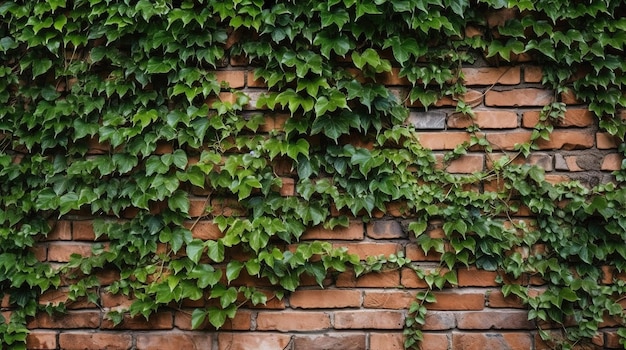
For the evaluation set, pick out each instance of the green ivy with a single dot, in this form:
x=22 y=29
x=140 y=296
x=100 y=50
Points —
x=90 y=90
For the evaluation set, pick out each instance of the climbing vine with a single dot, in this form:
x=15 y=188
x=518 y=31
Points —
x=93 y=91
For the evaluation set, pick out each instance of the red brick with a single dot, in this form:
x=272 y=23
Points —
x=95 y=341
x=466 y=164
x=485 y=119
x=61 y=231
x=519 y=97
x=392 y=299
x=385 y=229
x=325 y=299
x=605 y=140
x=481 y=341
x=233 y=78
x=499 y=319
x=387 y=279
x=498 y=300
x=248 y=341
x=109 y=300
x=612 y=341
x=71 y=319
x=392 y=78
x=442 y=140
x=369 y=319
x=489 y=76
x=439 y=320
x=40 y=251
x=241 y=321
x=288 y=187
x=40 y=340
x=533 y=74
x=225 y=207
x=197 y=207
x=435 y=341
x=410 y=279
x=472 y=98
x=159 y=320
x=473 y=277
x=570 y=98
x=508 y=140
x=292 y=321
x=366 y=249
x=61 y=296
x=61 y=251
x=458 y=301
x=342 y=341
x=573 y=117
x=83 y=231
x=174 y=341
x=388 y=341
x=612 y=162
x=567 y=140
x=353 y=232
x=414 y=253
x=252 y=82
x=204 y=230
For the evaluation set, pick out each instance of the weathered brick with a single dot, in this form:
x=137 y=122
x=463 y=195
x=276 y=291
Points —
x=61 y=251
x=387 y=279
x=414 y=253
x=252 y=82
x=248 y=341
x=410 y=279
x=573 y=117
x=241 y=321
x=428 y=120
x=458 y=301
x=489 y=76
x=367 y=249
x=69 y=320
x=40 y=340
x=612 y=162
x=392 y=299
x=40 y=251
x=174 y=341
x=498 y=300
x=95 y=340
x=442 y=140
x=388 y=341
x=354 y=231
x=385 y=229
x=569 y=98
x=325 y=299
x=335 y=341
x=204 y=230
x=518 y=97
x=83 y=231
x=156 y=321
x=481 y=341
x=60 y=296
x=439 y=320
x=472 y=277
x=369 y=319
x=499 y=319
x=293 y=321
x=568 y=140
x=605 y=140
x=61 y=231
x=288 y=187
x=533 y=74
x=466 y=164
x=232 y=78
x=486 y=119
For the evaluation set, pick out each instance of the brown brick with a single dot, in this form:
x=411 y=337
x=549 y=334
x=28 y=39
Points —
x=473 y=277
x=489 y=76
x=204 y=230
x=60 y=296
x=61 y=231
x=612 y=341
x=414 y=253
x=498 y=300
x=40 y=251
x=387 y=279
x=391 y=299
x=353 y=232
x=90 y=340
x=385 y=229
x=612 y=162
x=174 y=341
x=519 y=97
x=485 y=119
x=369 y=319
x=325 y=299
x=508 y=140
x=605 y=140
x=481 y=341
x=252 y=82
x=288 y=187
x=533 y=74
x=61 y=251
x=248 y=341
x=159 y=320
x=335 y=341
x=388 y=341
x=233 y=78
x=573 y=117
x=83 y=231
x=500 y=319
x=435 y=341
x=442 y=140
x=410 y=279
x=569 y=98
x=293 y=321
x=197 y=207
x=466 y=164
x=439 y=320
x=71 y=319
x=458 y=301
x=40 y=340
x=366 y=249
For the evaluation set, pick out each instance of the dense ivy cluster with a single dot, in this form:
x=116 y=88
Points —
x=90 y=90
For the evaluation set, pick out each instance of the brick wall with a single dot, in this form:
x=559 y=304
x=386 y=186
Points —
x=366 y=312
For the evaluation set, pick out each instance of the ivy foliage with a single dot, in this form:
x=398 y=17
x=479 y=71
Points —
x=112 y=109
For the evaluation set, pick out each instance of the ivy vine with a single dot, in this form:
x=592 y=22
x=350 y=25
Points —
x=112 y=109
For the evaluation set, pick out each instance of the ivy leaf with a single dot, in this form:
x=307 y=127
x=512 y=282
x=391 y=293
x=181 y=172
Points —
x=403 y=48
x=41 y=66
x=233 y=269
x=194 y=250
x=179 y=202
x=197 y=318
x=215 y=250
